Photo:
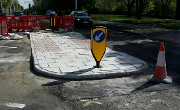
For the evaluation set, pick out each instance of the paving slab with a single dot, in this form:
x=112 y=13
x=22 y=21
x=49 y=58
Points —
x=68 y=55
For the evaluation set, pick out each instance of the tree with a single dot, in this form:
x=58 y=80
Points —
x=107 y=6
x=86 y=4
x=8 y=3
x=21 y=8
x=165 y=5
x=63 y=6
x=3 y=2
x=129 y=4
x=103 y=5
x=178 y=9
x=139 y=8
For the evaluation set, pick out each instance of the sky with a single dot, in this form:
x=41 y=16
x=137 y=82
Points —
x=25 y=3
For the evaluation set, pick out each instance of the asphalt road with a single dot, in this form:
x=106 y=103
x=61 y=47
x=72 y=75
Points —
x=22 y=87
x=139 y=46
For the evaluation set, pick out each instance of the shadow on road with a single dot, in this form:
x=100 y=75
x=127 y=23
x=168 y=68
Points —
x=144 y=86
x=58 y=82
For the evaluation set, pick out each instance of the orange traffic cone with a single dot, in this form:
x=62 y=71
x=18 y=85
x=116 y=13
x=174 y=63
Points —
x=160 y=74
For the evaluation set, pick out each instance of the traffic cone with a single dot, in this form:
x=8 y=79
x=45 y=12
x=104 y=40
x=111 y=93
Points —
x=160 y=74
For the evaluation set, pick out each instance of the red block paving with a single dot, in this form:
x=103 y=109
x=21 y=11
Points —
x=83 y=43
x=45 y=45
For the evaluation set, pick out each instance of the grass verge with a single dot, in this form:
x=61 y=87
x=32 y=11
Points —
x=144 y=20
x=172 y=26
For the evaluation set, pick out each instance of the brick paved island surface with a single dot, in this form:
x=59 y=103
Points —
x=67 y=55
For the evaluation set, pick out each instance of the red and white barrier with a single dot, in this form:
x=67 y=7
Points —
x=21 y=22
x=4 y=27
x=27 y=22
x=65 y=22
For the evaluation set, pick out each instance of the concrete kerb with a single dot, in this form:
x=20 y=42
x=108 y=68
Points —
x=78 y=76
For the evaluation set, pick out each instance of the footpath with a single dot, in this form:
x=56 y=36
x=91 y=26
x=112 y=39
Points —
x=68 y=55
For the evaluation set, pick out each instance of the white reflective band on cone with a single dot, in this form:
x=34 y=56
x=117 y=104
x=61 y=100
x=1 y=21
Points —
x=161 y=59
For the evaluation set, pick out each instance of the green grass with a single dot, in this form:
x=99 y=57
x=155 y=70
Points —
x=172 y=26
x=133 y=20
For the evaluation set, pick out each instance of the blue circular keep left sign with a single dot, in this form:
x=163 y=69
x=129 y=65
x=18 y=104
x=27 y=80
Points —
x=99 y=36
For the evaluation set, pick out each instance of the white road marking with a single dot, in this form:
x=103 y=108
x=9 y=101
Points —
x=15 y=105
x=89 y=101
x=12 y=47
x=8 y=47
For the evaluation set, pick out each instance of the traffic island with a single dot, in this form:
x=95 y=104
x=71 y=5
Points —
x=68 y=56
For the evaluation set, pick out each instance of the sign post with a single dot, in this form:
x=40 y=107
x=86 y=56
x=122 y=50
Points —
x=98 y=43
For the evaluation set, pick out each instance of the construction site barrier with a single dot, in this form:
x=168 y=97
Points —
x=38 y=20
x=21 y=22
x=59 y=21
x=27 y=22
x=65 y=22
x=4 y=27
